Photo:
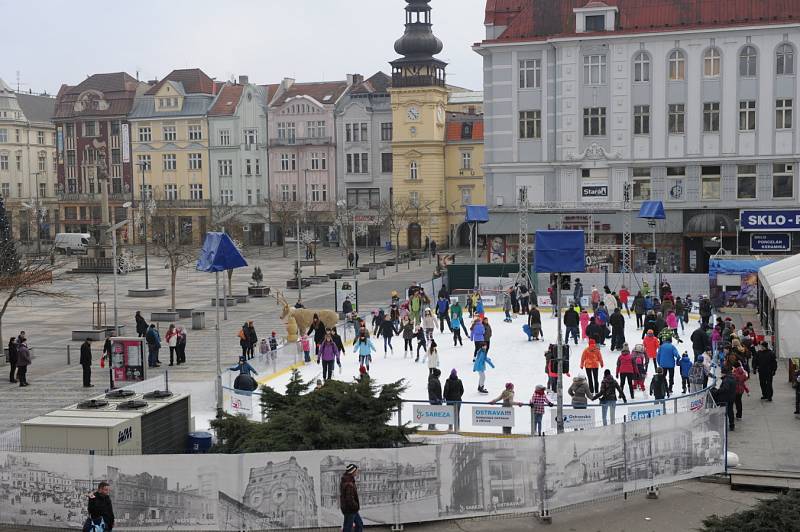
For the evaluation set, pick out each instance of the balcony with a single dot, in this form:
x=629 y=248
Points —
x=184 y=204
x=302 y=141
x=92 y=198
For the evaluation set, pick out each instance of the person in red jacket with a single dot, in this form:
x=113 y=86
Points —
x=624 y=294
x=626 y=369
x=651 y=345
x=741 y=377
x=592 y=361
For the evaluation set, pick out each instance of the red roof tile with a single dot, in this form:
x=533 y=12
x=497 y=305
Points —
x=118 y=89
x=499 y=12
x=378 y=83
x=227 y=100
x=319 y=91
x=270 y=90
x=540 y=19
x=454 y=126
x=194 y=81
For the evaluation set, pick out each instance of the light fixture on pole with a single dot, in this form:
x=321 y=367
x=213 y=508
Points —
x=721 y=248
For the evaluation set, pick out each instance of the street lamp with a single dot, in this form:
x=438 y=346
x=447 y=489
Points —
x=113 y=230
x=738 y=226
x=144 y=166
x=721 y=229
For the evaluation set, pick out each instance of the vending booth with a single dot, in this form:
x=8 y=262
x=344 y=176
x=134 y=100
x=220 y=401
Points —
x=127 y=364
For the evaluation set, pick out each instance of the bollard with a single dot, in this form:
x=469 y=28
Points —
x=68 y=355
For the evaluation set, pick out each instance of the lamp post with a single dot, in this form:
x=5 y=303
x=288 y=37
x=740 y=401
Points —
x=145 y=166
x=738 y=225
x=721 y=248
x=38 y=216
x=299 y=265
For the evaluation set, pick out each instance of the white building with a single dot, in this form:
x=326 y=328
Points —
x=685 y=101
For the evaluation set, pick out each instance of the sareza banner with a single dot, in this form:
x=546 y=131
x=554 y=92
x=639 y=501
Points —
x=433 y=414
x=772 y=220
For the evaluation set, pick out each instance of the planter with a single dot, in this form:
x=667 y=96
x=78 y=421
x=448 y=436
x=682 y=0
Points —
x=292 y=283
x=258 y=291
x=334 y=275
x=240 y=298
x=165 y=316
x=97 y=335
x=231 y=302
x=182 y=312
x=147 y=292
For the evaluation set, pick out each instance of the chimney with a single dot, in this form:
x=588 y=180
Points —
x=354 y=79
x=244 y=80
x=287 y=83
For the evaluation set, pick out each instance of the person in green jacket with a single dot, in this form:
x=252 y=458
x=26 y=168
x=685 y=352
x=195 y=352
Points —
x=457 y=312
x=415 y=308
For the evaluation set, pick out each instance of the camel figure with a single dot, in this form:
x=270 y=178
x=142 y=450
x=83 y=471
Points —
x=298 y=320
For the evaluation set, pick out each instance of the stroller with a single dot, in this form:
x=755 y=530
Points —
x=639 y=357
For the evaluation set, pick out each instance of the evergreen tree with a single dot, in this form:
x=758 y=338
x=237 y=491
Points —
x=9 y=256
x=339 y=415
x=781 y=514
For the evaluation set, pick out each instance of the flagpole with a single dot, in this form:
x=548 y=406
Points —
x=219 y=364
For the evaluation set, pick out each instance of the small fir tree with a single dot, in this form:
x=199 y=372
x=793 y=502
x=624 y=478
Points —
x=9 y=255
x=257 y=276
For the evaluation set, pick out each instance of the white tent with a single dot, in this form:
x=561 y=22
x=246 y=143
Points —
x=780 y=304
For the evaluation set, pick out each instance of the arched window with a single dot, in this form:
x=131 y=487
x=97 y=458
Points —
x=748 y=61
x=641 y=67
x=677 y=66
x=784 y=57
x=711 y=63
x=413 y=170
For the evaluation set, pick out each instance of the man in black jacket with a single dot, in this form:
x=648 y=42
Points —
x=434 y=391
x=700 y=341
x=649 y=323
x=86 y=362
x=100 y=506
x=765 y=365
x=12 y=358
x=726 y=394
x=571 y=322
x=617 y=322
x=453 y=391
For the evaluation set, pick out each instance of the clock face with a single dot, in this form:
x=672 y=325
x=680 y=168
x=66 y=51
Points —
x=279 y=494
x=413 y=113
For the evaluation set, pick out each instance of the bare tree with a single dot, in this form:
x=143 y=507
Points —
x=174 y=242
x=396 y=215
x=284 y=213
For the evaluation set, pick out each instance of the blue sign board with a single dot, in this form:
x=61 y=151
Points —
x=770 y=220
x=765 y=242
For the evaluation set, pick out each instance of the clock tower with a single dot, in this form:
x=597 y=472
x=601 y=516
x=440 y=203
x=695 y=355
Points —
x=419 y=99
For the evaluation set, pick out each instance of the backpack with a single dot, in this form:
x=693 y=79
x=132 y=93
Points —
x=696 y=373
x=91 y=526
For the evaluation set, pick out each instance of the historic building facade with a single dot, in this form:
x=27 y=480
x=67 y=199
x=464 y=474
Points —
x=589 y=104
x=283 y=493
x=28 y=163
x=463 y=165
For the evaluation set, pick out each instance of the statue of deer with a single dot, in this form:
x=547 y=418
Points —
x=298 y=320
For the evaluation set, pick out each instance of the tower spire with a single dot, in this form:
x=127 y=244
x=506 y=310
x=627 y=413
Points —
x=418 y=67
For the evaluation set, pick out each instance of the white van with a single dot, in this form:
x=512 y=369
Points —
x=69 y=243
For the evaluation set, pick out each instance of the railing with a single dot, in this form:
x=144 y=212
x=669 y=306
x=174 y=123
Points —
x=301 y=141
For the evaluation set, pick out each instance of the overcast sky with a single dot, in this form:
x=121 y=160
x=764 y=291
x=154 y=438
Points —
x=59 y=41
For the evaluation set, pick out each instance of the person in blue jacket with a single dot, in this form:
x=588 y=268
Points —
x=455 y=326
x=244 y=381
x=364 y=347
x=479 y=366
x=686 y=367
x=476 y=335
x=479 y=310
x=667 y=357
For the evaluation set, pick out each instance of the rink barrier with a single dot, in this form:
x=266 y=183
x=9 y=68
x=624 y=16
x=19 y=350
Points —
x=397 y=486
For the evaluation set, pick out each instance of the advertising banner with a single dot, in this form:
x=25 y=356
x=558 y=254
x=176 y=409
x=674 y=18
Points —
x=635 y=414
x=433 y=414
x=126 y=143
x=344 y=288
x=766 y=242
x=770 y=220
x=594 y=190
x=575 y=418
x=492 y=416
x=127 y=360
x=238 y=403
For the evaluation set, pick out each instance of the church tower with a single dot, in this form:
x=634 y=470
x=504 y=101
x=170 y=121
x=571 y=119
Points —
x=419 y=98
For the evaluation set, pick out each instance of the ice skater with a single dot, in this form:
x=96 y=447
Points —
x=364 y=347
x=421 y=343
x=479 y=367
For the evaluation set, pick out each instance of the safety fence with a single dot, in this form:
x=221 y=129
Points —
x=399 y=485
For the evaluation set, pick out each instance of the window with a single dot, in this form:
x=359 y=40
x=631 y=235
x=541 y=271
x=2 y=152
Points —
x=40 y=137
x=143 y=161
x=69 y=130
x=641 y=184
x=195 y=133
x=145 y=192
x=42 y=190
x=746 y=182
x=466 y=196
x=316 y=193
x=316 y=129
x=530 y=124
x=115 y=127
x=356 y=132
x=677 y=66
x=357 y=163
x=288 y=162
x=710 y=178
x=641 y=119
x=711 y=117
x=641 y=67
x=413 y=170
x=676 y=113
x=225 y=167
x=19 y=162
x=595 y=22
x=284 y=193
x=363 y=198
x=42 y=163
x=3 y=135
x=783 y=113
x=413 y=198
x=5 y=190
x=196 y=191
x=386 y=163
x=594 y=121
x=748 y=61
x=747 y=115
x=530 y=74
x=145 y=134
x=258 y=166
x=195 y=161
x=226 y=195
x=170 y=133
x=287 y=132
x=90 y=129
x=116 y=156
x=466 y=160
x=248 y=168
x=319 y=161
x=782 y=180
x=170 y=161
x=251 y=136
x=711 y=63
x=3 y=162
x=258 y=196
x=249 y=196
x=386 y=131
x=224 y=137
x=594 y=69
x=170 y=192
x=784 y=57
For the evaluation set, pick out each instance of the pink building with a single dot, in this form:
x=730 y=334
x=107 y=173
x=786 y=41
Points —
x=302 y=154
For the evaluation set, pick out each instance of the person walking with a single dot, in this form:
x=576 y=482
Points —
x=12 y=359
x=86 y=362
x=23 y=361
x=639 y=309
x=698 y=374
x=765 y=365
x=507 y=307
x=592 y=361
x=741 y=376
x=180 y=346
x=421 y=342
x=701 y=342
x=538 y=402
x=476 y=335
x=479 y=367
x=506 y=398
x=579 y=391
x=595 y=296
x=453 y=391
x=577 y=293
x=455 y=328
x=171 y=337
x=328 y=354
x=141 y=324
x=626 y=370
x=244 y=342
x=318 y=330
x=429 y=324
x=434 y=391
x=608 y=396
x=617 y=322
x=407 y=330
x=432 y=356
x=584 y=321
x=685 y=365
x=457 y=312
x=667 y=357
x=705 y=310
x=252 y=339
x=101 y=510
x=153 y=345
x=726 y=395
x=680 y=312
x=572 y=325
x=364 y=347
x=651 y=345
x=348 y=500
x=624 y=296
x=658 y=387
x=487 y=333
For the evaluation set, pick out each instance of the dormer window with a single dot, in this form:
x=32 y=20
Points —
x=595 y=23
x=595 y=16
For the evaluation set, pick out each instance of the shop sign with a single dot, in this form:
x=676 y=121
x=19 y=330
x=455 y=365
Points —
x=594 y=190
x=492 y=416
x=763 y=242
x=772 y=220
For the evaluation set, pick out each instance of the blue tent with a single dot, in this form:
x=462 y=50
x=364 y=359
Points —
x=477 y=214
x=219 y=253
x=560 y=252
x=652 y=210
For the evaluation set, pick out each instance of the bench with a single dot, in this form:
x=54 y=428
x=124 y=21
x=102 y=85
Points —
x=183 y=312
x=231 y=302
x=147 y=292
x=97 y=335
x=258 y=291
x=165 y=315
x=240 y=298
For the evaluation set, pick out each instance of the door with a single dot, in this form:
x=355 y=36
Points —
x=414 y=236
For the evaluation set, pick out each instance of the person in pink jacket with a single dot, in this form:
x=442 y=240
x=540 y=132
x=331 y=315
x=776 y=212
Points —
x=672 y=323
x=584 y=320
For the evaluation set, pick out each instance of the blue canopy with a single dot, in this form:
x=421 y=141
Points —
x=652 y=210
x=736 y=266
x=477 y=214
x=560 y=252
x=219 y=253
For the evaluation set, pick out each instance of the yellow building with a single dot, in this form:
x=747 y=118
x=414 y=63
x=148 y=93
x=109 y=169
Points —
x=464 y=179
x=169 y=138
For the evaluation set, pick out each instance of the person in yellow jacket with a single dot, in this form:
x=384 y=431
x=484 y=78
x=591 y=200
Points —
x=592 y=361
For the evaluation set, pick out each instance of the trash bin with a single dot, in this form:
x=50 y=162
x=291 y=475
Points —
x=198 y=442
x=198 y=320
x=373 y=272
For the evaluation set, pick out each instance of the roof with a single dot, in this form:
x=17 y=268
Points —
x=541 y=19
x=378 y=83
x=193 y=105
x=455 y=122
x=270 y=90
x=37 y=109
x=227 y=101
x=465 y=97
x=118 y=89
x=194 y=81
x=781 y=278
x=325 y=92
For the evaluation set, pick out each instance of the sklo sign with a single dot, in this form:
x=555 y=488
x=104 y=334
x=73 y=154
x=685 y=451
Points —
x=772 y=220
